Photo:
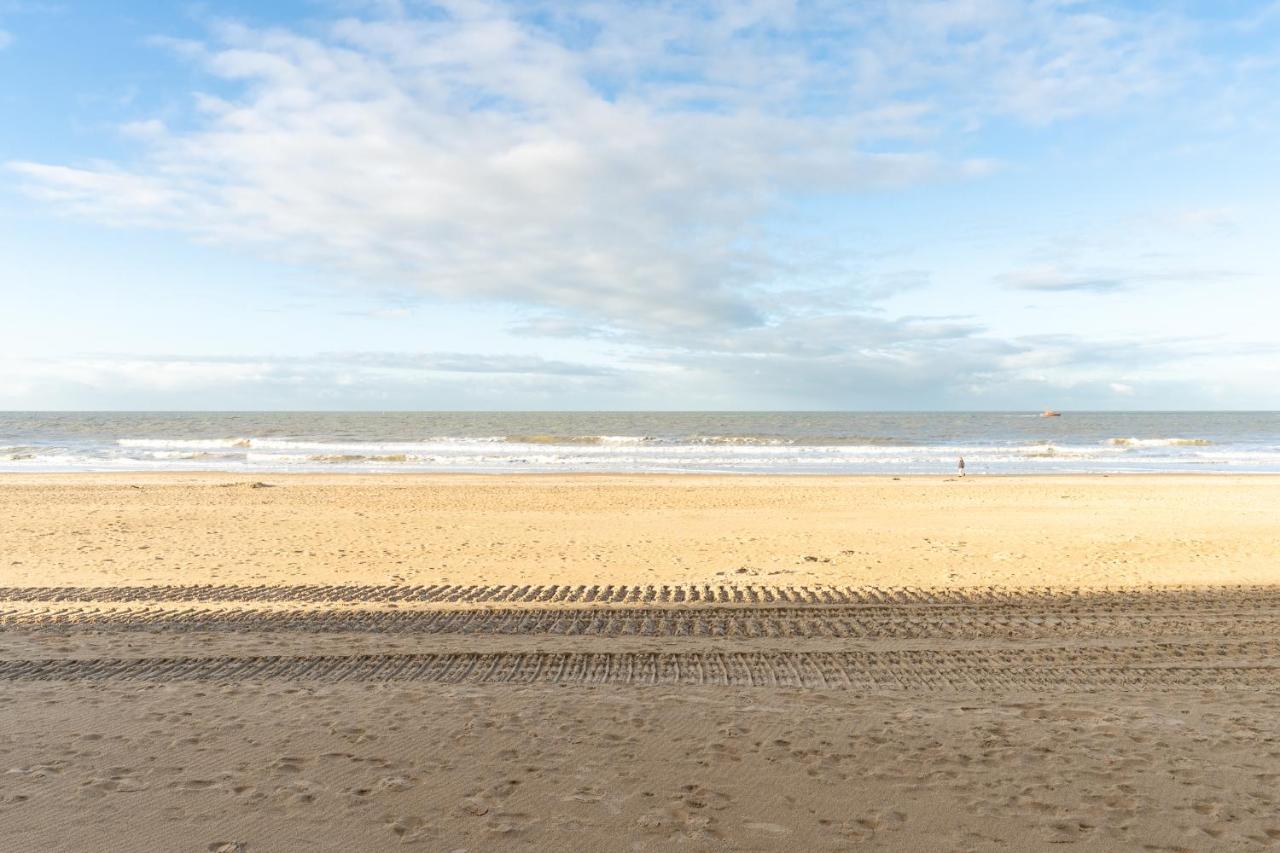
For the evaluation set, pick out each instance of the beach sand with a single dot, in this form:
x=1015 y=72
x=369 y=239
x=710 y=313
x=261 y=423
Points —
x=208 y=662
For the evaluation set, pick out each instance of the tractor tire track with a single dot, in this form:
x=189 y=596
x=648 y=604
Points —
x=865 y=623
x=911 y=670
x=1200 y=599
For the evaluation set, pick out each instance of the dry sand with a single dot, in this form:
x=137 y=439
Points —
x=1064 y=532
x=639 y=663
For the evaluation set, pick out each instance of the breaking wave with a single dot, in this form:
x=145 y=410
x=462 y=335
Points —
x=1160 y=442
x=578 y=439
x=347 y=458
x=186 y=443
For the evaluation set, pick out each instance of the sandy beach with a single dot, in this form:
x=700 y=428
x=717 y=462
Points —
x=217 y=662
x=930 y=532
x=615 y=427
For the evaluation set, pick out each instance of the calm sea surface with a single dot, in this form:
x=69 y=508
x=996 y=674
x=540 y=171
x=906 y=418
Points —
x=782 y=442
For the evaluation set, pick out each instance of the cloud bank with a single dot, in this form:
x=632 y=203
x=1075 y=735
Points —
x=893 y=367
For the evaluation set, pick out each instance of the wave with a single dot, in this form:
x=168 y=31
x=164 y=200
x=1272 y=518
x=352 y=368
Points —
x=186 y=454
x=1159 y=442
x=673 y=447
x=668 y=458
x=1055 y=451
x=340 y=447
x=578 y=439
x=804 y=441
x=186 y=443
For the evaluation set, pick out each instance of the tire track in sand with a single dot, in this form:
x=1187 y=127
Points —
x=1199 y=598
x=879 y=622
x=913 y=670
x=1126 y=639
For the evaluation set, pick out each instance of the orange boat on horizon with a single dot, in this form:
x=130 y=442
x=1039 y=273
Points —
x=1050 y=413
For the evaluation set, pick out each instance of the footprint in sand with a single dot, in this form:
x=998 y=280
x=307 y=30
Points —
x=410 y=828
x=395 y=783
x=288 y=764
x=508 y=823
x=863 y=828
x=116 y=784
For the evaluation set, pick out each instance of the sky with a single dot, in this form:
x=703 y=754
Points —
x=334 y=204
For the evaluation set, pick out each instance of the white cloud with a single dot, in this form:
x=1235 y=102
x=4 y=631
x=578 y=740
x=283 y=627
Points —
x=1057 y=280
x=6 y=39
x=343 y=378
x=1062 y=279
x=1035 y=61
x=638 y=178
x=611 y=162
x=103 y=193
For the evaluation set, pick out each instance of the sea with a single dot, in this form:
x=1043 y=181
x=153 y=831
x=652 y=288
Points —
x=660 y=442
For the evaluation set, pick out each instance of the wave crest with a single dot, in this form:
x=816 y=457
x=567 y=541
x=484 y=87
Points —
x=1159 y=442
x=343 y=458
x=185 y=443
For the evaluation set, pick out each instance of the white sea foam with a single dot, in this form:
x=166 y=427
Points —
x=185 y=454
x=185 y=443
x=1160 y=442
x=531 y=457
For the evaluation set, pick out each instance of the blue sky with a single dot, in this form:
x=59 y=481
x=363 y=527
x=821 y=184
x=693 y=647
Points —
x=471 y=205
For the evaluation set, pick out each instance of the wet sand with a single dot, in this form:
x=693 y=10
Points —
x=640 y=663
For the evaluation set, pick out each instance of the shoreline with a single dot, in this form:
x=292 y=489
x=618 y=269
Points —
x=347 y=476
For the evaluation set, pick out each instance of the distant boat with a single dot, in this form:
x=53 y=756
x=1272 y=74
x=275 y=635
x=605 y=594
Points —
x=1050 y=413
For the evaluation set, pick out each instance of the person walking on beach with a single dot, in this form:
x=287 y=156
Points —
x=961 y=466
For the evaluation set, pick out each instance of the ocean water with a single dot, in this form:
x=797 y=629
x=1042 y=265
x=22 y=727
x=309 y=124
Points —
x=780 y=442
